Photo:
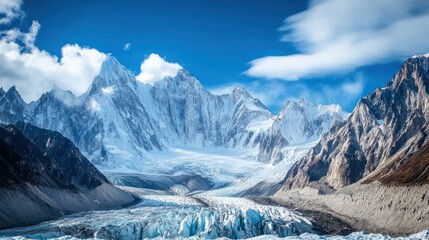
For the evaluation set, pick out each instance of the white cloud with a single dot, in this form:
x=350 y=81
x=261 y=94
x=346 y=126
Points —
x=9 y=10
x=127 y=46
x=34 y=71
x=66 y=97
x=108 y=90
x=155 y=68
x=337 y=36
x=94 y=105
x=224 y=89
x=26 y=38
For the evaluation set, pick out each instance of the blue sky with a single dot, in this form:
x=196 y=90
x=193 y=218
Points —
x=218 y=41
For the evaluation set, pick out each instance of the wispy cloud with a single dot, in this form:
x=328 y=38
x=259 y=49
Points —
x=10 y=10
x=26 y=38
x=155 y=68
x=127 y=46
x=337 y=36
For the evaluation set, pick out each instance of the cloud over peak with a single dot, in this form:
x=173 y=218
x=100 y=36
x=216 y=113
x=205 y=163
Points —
x=336 y=36
x=155 y=68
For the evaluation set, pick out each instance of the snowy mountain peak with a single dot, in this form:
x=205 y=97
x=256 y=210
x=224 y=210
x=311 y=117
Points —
x=297 y=103
x=303 y=105
x=13 y=95
x=182 y=81
x=112 y=75
x=304 y=121
x=240 y=91
x=183 y=75
x=64 y=96
x=12 y=90
x=110 y=64
x=411 y=73
x=421 y=56
x=242 y=97
x=111 y=69
x=300 y=122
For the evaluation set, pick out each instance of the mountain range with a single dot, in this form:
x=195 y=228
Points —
x=120 y=119
x=327 y=158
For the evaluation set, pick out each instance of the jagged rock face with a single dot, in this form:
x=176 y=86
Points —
x=188 y=114
x=119 y=123
x=382 y=125
x=44 y=158
x=409 y=171
x=58 y=110
x=22 y=162
x=74 y=167
x=12 y=107
x=299 y=122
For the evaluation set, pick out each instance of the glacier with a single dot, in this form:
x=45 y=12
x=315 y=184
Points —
x=166 y=216
x=185 y=217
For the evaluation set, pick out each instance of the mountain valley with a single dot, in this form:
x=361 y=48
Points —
x=205 y=160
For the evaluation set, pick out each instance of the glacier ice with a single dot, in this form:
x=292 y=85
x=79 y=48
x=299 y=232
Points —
x=174 y=217
x=181 y=217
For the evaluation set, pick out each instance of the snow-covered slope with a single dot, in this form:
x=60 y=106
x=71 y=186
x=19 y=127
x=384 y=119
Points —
x=299 y=122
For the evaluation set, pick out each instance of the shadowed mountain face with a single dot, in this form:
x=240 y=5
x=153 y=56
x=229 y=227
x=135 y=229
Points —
x=44 y=176
x=74 y=167
x=24 y=163
x=385 y=129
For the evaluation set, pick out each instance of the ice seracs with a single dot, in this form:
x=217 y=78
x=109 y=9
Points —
x=176 y=217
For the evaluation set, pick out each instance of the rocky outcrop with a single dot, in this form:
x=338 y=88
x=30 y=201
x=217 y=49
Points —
x=406 y=169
